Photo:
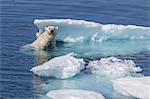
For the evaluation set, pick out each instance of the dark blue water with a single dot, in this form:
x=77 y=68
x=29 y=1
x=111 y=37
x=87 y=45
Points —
x=17 y=29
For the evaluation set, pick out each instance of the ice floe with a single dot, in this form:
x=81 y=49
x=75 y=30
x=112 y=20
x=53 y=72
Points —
x=113 y=67
x=97 y=39
x=81 y=28
x=74 y=94
x=62 y=67
x=138 y=87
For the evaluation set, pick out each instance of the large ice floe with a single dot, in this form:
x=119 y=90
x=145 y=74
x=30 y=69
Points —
x=74 y=29
x=138 y=87
x=62 y=67
x=112 y=67
x=74 y=94
x=92 y=39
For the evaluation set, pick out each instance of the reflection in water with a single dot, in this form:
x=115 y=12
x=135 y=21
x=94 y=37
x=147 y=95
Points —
x=42 y=56
x=36 y=81
x=36 y=84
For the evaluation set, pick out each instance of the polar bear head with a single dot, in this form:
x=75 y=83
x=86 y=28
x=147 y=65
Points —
x=51 y=30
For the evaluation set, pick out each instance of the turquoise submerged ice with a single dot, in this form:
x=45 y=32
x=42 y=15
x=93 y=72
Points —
x=93 y=39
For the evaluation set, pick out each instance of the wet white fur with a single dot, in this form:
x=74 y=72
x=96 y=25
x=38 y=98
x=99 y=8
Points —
x=46 y=39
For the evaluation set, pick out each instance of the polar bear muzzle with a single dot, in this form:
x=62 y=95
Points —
x=52 y=31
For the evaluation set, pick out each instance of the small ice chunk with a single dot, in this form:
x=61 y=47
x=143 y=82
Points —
x=74 y=94
x=113 y=67
x=138 y=87
x=62 y=67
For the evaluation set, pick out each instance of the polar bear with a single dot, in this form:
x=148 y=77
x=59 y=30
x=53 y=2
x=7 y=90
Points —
x=46 y=39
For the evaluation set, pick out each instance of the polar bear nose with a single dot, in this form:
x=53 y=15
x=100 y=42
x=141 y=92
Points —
x=52 y=31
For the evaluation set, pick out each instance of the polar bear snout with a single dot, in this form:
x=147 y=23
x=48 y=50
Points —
x=51 y=30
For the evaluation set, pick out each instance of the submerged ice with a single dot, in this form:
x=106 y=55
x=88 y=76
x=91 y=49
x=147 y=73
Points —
x=62 y=67
x=113 y=67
